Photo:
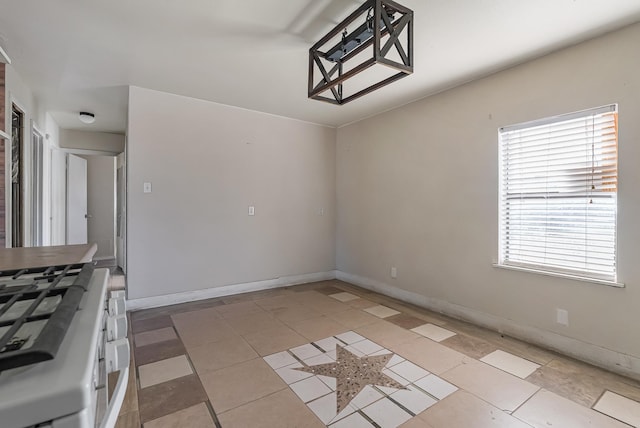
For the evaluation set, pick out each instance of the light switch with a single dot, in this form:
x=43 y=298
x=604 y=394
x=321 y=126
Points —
x=252 y=210
x=146 y=187
x=562 y=316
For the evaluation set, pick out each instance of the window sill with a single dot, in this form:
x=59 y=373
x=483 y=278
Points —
x=561 y=275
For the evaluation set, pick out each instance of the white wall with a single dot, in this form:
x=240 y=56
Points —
x=94 y=141
x=55 y=225
x=18 y=92
x=58 y=197
x=101 y=206
x=417 y=188
x=207 y=163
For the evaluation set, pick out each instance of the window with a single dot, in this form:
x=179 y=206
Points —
x=558 y=189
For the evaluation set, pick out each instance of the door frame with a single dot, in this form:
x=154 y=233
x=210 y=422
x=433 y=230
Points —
x=38 y=190
x=25 y=146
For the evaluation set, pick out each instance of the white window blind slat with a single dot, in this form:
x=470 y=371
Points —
x=558 y=194
x=525 y=139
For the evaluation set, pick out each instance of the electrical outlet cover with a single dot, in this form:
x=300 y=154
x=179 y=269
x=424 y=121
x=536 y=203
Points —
x=562 y=316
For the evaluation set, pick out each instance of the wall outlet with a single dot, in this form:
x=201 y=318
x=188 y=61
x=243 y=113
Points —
x=394 y=272
x=146 y=187
x=252 y=210
x=562 y=316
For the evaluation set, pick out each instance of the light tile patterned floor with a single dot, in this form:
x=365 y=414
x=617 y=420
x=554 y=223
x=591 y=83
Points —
x=416 y=391
x=619 y=407
x=433 y=332
x=510 y=363
x=266 y=359
x=164 y=371
x=344 y=297
x=381 y=311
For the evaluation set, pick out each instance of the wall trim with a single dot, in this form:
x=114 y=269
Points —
x=227 y=290
x=608 y=359
x=89 y=152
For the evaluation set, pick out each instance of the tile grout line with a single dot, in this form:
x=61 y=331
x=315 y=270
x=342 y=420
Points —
x=132 y=360
x=364 y=415
x=599 y=398
x=213 y=414
x=606 y=414
x=527 y=400
x=614 y=418
x=135 y=365
x=257 y=399
x=207 y=403
x=397 y=403
x=194 y=372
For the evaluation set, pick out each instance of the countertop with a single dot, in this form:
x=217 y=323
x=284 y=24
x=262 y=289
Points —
x=32 y=257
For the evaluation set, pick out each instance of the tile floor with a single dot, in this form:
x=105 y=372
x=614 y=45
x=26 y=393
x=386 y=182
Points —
x=332 y=354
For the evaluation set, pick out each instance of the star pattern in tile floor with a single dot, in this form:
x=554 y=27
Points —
x=353 y=373
x=348 y=380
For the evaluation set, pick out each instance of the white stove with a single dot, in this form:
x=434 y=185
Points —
x=63 y=382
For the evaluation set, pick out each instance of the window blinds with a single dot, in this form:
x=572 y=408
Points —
x=558 y=187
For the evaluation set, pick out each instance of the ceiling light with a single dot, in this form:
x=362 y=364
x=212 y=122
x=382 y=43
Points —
x=87 y=118
x=387 y=28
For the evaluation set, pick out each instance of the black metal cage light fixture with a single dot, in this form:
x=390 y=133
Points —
x=384 y=26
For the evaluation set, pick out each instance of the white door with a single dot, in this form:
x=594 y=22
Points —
x=76 y=200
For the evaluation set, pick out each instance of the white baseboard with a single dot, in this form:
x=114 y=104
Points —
x=624 y=364
x=227 y=290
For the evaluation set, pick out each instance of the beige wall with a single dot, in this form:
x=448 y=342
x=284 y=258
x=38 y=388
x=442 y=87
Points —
x=417 y=188
x=207 y=163
x=95 y=141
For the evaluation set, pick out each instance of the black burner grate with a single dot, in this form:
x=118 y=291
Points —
x=23 y=294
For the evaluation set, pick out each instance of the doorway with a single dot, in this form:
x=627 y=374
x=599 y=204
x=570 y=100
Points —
x=77 y=213
x=17 y=202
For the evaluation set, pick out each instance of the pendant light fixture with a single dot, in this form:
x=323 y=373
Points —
x=385 y=27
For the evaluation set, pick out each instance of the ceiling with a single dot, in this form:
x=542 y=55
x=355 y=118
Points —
x=83 y=54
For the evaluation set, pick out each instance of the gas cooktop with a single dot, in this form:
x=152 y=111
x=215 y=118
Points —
x=36 y=309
